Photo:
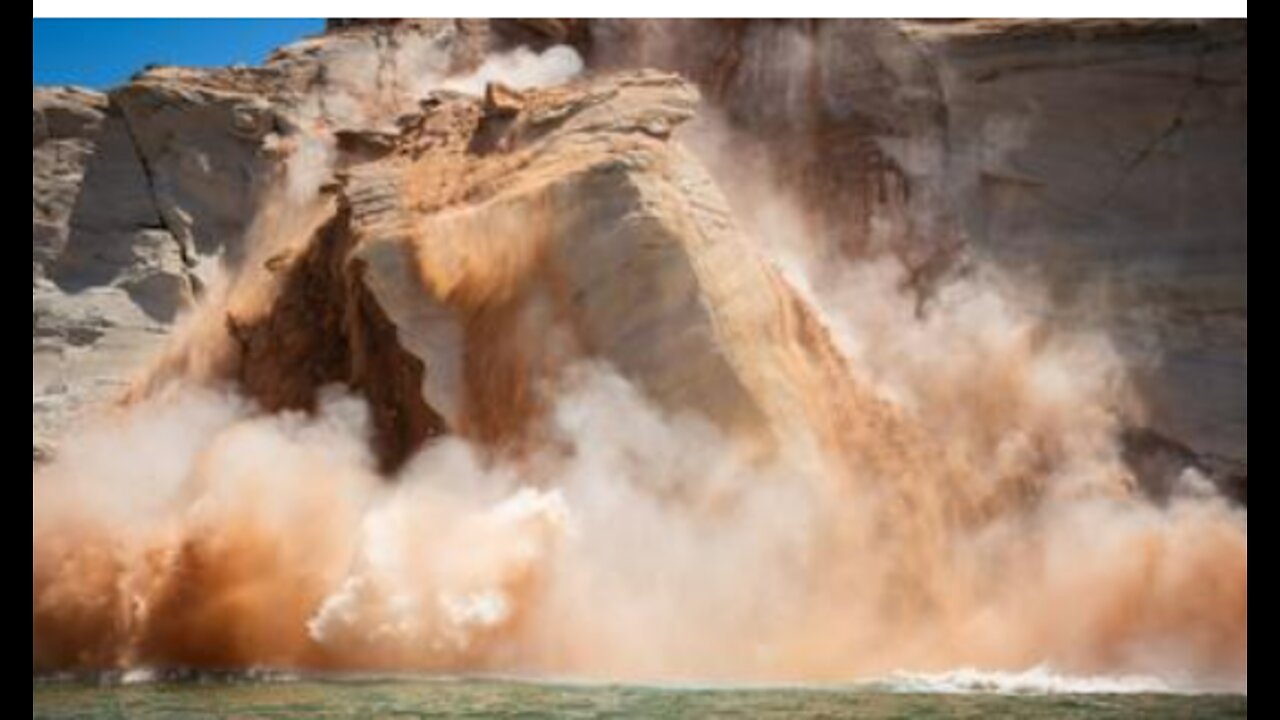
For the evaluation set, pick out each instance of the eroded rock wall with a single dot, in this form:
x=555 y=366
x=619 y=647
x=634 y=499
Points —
x=108 y=277
x=1106 y=159
x=140 y=194
x=1109 y=158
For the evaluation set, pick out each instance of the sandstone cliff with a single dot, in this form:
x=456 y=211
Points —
x=108 y=276
x=1108 y=158
x=1111 y=160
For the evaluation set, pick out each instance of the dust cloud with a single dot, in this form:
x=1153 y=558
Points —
x=189 y=528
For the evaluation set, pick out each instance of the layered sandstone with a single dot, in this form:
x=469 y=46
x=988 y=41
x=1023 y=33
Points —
x=108 y=276
x=1107 y=157
x=1111 y=160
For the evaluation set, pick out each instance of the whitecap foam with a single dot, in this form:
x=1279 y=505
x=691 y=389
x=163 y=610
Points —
x=139 y=676
x=1038 y=680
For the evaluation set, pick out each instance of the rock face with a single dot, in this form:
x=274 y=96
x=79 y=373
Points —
x=847 y=116
x=497 y=243
x=1109 y=157
x=586 y=231
x=107 y=275
x=139 y=193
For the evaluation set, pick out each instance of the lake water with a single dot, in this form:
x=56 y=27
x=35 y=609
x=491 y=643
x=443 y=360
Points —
x=277 y=697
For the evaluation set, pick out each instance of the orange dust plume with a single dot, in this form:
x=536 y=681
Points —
x=943 y=489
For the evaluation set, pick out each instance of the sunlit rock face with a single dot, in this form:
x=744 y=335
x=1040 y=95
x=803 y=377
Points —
x=1107 y=158
x=582 y=230
x=493 y=242
x=140 y=193
x=845 y=117
x=107 y=276
x=510 y=221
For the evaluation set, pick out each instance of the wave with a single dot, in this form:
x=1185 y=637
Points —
x=1038 y=680
x=164 y=676
x=1043 y=680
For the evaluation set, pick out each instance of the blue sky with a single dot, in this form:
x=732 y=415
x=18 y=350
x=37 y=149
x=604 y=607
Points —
x=104 y=53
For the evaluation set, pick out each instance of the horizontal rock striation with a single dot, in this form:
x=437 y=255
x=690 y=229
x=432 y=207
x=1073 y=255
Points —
x=1107 y=157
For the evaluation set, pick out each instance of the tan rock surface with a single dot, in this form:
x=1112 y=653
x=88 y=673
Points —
x=1108 y=156
x=107 y=277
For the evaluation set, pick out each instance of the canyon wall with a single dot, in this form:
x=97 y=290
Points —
x=1106 y=159
x=1111 y=161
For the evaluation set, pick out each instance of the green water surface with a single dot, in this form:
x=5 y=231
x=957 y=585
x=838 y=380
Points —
x=417 y=698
